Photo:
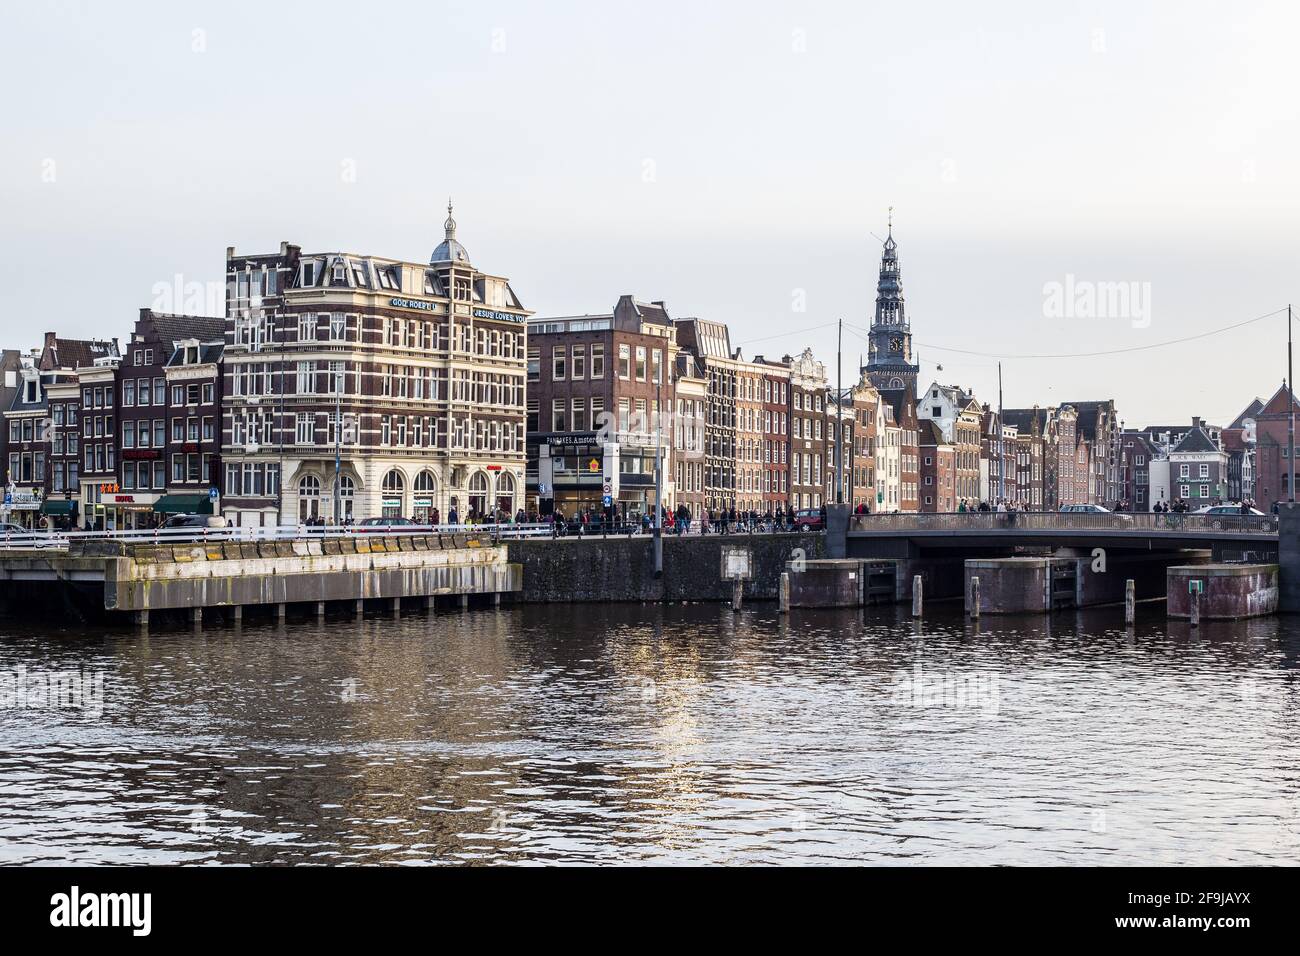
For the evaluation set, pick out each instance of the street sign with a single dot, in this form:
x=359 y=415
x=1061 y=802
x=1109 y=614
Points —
x=880 y=497
x=212 y=494
x=1195 y=587
x=593 y=465
x=607 y=501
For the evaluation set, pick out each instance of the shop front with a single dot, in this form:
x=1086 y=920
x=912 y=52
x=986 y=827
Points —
x=60 y=513
x=22 y=506
x=124 y=511
x=577 y=473
x=185 y=504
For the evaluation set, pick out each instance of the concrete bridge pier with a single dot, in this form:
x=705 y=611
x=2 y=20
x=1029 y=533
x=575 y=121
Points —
x=1288 y=555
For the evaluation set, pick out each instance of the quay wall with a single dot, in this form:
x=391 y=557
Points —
x=622 y=569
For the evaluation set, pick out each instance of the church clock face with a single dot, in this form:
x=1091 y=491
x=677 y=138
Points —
x=895 y=344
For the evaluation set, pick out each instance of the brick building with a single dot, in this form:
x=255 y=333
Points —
x=409 y=375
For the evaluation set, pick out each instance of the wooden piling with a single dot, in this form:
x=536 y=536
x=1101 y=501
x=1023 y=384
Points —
x=974 y=609
x=1130 y=602
x=918 y=595
x=737 y=593
x=783 y=594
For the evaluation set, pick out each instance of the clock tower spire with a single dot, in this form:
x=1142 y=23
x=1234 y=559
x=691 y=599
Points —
x=890 y=363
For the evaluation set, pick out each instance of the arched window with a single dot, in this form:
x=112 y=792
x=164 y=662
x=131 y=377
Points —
x=347 y=495
x=391 y=489
x=478 y=494
x=308 y=498
x=506 y=494
x=422 y=506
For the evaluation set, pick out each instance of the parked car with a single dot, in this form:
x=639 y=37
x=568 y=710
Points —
x=808 y=519
x=1091 y=509
x=379 y=525
x=1226 y=510
x=195 y=521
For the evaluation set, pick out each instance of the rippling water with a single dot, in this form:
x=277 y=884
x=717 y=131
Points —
x=594 y=734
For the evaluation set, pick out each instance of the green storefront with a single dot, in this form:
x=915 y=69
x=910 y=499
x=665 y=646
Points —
x=183 y=505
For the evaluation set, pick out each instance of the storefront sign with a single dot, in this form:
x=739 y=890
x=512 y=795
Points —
x=571 y=438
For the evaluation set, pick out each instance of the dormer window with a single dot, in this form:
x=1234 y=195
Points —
x=359 y=274
x=308 y=274
x=340 y=271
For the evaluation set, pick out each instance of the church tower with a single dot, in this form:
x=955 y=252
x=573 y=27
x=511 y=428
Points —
x=890 y=364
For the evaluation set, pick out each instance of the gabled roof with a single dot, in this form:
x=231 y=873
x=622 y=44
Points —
x=1195 y=441
x=899 y=401
x=74 y=353
x=1027 y=420
x=1089 y=414
x=931 y=434
x=1250 y=411
x=173 y=328
x=1277 y=405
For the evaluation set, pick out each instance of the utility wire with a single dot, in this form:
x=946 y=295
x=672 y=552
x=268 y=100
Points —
x=1132 y=348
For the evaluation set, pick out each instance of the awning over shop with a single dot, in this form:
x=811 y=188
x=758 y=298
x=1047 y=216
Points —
x=58 y=506
x=183 y=505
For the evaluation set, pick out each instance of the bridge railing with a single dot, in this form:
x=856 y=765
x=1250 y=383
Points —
x=28 y=540
x=1065 y=521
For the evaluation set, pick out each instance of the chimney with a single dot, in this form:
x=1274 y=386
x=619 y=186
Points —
x=1196 y=421
x=230 y=253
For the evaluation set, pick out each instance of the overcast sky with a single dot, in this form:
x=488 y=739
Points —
x=736 y=160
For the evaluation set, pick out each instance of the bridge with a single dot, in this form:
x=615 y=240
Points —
x=904 y=535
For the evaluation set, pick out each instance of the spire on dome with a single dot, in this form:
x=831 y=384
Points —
x=449 y=250
x=450 y=225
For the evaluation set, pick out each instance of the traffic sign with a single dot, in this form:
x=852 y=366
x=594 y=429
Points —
x=213 y=494
x=607 y=501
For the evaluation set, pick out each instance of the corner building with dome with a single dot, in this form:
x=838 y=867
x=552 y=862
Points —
x=358 y=386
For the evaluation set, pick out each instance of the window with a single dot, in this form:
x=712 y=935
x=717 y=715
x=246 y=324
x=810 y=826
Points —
x=1205 y=491
x=579 y=414
x=624 y=361
x=598 y=361
x=305 y=428
x=640 y=363
x=579 y=361
x=160 y=391
x=557 y=415
x=557 y=363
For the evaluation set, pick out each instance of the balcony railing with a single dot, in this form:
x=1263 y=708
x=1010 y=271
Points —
x=1066 y=521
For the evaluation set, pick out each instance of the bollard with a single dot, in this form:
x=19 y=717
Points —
x=1130 y=601
x=361 y=608
x=196 y=616
x=917 y=595
x=1196 y=608
x=737 y=593
x=783 y=594
x=281 y=612
x=320 y=610
x=974 y=608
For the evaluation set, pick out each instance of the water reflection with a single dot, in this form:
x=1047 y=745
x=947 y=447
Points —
x=666 y=734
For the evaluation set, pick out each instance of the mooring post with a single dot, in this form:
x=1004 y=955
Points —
x=196 y=616
x=237 y=615
x=361 y=608
x=430 y=602
x=1130 y=601
x=737 y=593
x=397 y=607
x=974 y=608
x=783 y=594
x=464 y=602
x=141 y=619
x=281 y=612
x=1196 y=608
x=918 y=595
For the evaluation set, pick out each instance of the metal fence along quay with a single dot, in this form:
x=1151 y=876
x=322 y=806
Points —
x=1265 y=525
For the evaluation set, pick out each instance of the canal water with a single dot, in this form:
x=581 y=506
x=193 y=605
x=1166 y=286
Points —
x=644 y=734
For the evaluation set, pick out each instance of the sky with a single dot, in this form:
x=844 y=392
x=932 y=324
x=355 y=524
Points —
x=1065 y=179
